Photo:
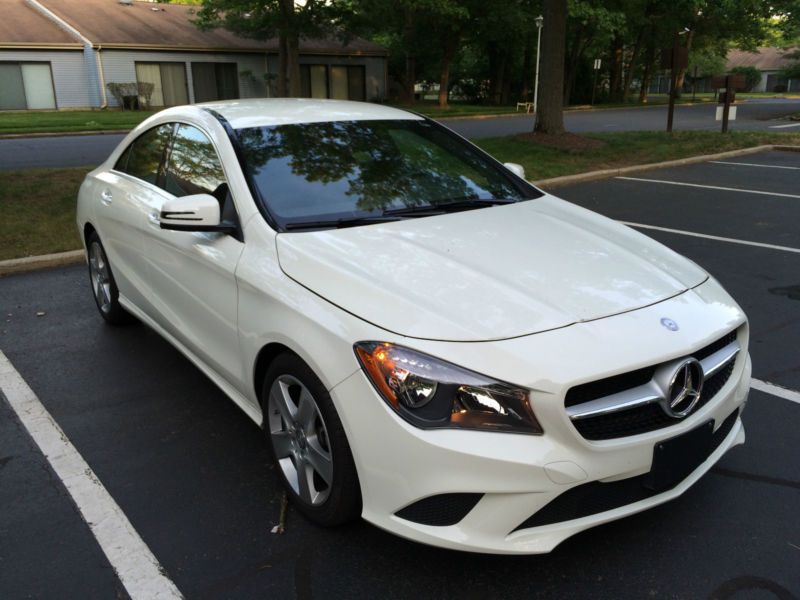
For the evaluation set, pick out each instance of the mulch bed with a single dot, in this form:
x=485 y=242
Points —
x=565 y=141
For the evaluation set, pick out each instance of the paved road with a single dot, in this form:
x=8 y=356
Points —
x=75 y=151
x=190 y=471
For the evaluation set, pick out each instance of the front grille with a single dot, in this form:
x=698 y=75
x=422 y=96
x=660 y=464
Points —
x=440 y=510
x=647 y=417
x=596 y=497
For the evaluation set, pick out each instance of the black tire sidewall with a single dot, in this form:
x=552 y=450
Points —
x=344 y=501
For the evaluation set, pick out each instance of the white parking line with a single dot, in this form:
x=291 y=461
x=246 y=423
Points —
x=712 y=237
x=775 y=390
x=784 y=126
x=741 y=164
x=710 y=187
x=137 y=568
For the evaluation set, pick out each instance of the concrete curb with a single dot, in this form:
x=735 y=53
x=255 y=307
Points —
x=606 y=173
x=44 y=261
x=61 y=259
x=45 y=134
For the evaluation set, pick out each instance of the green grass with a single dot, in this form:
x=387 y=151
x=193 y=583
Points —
x=624 y=149
x=39 y=205
x=70 y=120
x=38 y=211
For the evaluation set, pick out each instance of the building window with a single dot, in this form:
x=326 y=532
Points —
x=169 y=82
x=341 y=82
x=26 y=86
x=214 y=81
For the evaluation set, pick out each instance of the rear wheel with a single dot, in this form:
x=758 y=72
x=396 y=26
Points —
x=104 y=288
x=308 y=443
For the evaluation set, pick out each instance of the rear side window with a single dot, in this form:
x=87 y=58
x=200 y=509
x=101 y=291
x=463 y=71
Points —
x=193 y=166
x=143 y=158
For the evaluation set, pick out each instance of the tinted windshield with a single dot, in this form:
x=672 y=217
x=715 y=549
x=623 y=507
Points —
x=347 y=169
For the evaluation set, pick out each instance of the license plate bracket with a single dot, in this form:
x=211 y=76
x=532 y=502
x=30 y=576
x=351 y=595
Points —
x=674 y=459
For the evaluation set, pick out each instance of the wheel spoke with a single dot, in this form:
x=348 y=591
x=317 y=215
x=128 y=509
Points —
x=282 y=401
x=306 y=411
x=320 y=461
x=106 y=288
x=304 y=474
x=282 y=443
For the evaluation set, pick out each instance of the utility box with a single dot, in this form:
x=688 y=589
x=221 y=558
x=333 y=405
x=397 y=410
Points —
x=723 y=97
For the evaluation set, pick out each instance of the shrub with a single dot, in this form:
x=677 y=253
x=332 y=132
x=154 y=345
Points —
x=752 y=76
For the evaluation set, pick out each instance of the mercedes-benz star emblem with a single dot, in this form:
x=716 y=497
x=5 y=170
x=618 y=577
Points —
x=669 y=324
x=684 y=389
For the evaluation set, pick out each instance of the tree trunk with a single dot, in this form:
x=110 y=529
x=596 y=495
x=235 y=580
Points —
x=293 y=65
x=410 y=78
x=551 y=90
x=682 y=72
x=571 y=68
x=649 y=58
x=527 y=71
x=447 y=60
x=626 y=86
x=282 y=70
x=615 y=77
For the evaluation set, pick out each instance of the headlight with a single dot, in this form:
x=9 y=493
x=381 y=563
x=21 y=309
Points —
x=431 y=393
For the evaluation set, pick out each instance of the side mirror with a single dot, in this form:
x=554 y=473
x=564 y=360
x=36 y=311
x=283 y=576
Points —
x=516 y=169
x=198 y=212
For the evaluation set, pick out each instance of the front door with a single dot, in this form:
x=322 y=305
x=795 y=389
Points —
x=192 y=274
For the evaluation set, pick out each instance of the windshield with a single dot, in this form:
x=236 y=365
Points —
x=352 y=171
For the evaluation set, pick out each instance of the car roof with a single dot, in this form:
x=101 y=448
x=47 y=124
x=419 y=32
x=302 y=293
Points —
x=265 y=112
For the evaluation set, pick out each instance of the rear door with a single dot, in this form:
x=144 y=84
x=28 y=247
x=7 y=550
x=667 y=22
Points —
x=192 y=274
x=122 y=208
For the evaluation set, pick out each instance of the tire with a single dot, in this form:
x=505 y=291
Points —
x=104 y=288
x=308 y=444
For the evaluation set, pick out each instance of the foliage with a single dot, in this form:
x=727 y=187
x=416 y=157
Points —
x=752 y=76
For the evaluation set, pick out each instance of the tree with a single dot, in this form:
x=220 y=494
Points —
x=551 y=89
x=266 y=19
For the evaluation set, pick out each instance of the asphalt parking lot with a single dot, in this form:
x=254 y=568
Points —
x=189 y=471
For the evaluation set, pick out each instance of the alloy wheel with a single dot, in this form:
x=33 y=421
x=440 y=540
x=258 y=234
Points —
x=101 y=278
x=300 y=440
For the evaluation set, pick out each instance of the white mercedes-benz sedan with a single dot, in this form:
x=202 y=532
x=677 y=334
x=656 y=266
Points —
x=428 y=341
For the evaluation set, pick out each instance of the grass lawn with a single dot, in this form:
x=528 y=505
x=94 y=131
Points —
x=70 y=120
x=39 y=205
x=624 y=149
x=38 y=211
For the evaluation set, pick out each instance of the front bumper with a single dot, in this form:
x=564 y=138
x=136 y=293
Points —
x=512 y=476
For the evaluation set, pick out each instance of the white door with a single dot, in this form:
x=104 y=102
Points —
x=192 y=274
x=123 y=199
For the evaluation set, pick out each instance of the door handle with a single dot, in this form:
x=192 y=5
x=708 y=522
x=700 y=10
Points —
x=106 y=197
x=153 y=218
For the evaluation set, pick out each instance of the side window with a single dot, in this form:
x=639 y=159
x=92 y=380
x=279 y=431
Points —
x=146 y=153
x=194 y=167
x=122 y=161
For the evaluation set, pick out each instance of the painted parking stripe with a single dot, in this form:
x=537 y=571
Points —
x=743 y=164
x=784 y=126
x=709 y=187
x=775 y=390
x=716 y=238
x=137 y=568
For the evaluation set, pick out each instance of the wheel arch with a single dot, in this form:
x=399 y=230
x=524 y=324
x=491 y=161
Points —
x=264 y=359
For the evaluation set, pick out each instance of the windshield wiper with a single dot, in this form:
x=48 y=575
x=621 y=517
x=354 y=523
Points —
x=446 y=207
x=339 y=223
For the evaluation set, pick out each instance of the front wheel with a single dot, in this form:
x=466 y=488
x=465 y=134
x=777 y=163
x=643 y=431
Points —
x=308 y=443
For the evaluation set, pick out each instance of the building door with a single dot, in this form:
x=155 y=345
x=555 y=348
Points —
x=26 y=85
x=169 y=82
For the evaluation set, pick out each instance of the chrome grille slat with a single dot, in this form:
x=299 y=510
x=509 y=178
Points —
x=591 y=417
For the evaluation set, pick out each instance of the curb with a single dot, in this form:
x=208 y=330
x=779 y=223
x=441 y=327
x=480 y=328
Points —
x=46 y=134
x=606 y=173
x=44 y=261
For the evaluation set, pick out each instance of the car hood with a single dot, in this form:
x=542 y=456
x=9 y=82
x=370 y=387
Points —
x=487 y=274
